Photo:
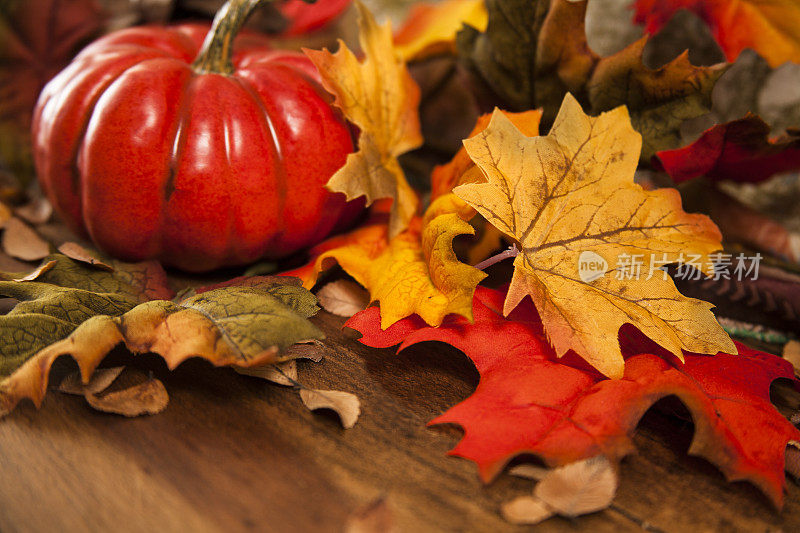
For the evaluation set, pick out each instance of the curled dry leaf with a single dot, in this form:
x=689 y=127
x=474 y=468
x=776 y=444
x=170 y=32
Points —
x=343 y=298
x=101 y=379
x=22 y=242
x=40 y=270
x=569 y=198
x=75 y=251
x=346 y=405
x=148 y=397
x=281 y=373
x=379 y=96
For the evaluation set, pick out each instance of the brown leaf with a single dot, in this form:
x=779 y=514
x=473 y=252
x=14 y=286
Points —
x=346 y=405
x=100 y=381
x=526 y=510
x=22 y=242
x=75 y=251
x=791 y=352
x=579 y=488
x=343 y=298
x=37 y=211
x=148 y=397
x=282 y=373
x=42 y=269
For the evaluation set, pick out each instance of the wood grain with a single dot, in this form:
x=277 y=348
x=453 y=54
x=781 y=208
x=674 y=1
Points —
x=234 y=453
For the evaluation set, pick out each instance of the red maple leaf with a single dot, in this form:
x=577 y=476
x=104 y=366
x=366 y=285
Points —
x=529 y=401
x=737 y=151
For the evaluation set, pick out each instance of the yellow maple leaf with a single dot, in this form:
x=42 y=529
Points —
x=569 y=199
x=379 y=96
x=416 y=272
x=431 y=29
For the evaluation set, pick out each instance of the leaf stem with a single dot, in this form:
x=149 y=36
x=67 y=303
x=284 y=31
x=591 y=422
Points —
x=512 y=251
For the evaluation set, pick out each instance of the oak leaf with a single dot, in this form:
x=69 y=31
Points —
x=559 y=409
x=740 y=150
x=770 y=28
x=415 y=272
x=534 y=52
x=245 y=325
x=569 y=196
x=430 y=29
x=379 y=96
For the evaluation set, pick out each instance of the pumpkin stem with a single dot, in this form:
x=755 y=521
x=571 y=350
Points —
x=215 y=54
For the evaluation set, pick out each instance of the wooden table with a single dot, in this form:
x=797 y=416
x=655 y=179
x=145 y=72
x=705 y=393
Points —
x=234 y=453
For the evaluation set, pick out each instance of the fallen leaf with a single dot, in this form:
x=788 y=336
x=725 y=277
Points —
x=77 y=252
x=533 y=53
x=571 y=490
x=414 y=272
x=343 y=298
x=241 y=326
x=40 y=270
x=526 y=510
x=379 y=96
x=346 y=405
x=430 y=29
x=282 y=373
x=528 y=471
x=579 y=488
x=37 y=211
x=770 y=28
x=20 y=241
x=569 y=196
x=530 y=401
x=147 y=398
x=736 y=151
x=101 y=379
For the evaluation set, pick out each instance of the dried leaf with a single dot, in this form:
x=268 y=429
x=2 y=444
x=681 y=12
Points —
x=242 y=326
x=282 y=373
x=146 y=398
x=534 y=52
x=20 y=241
x=736 y=151
x=430 y=29
x=343 y=298
x=528 y=401
x=770 y=28
x=40 y=270
x=379 y=96
x=346 y=405
x=528 y=471
x=579 y=488
x=570 y=194
x=77 y=252
x=101 y=379
x=526 y=510
x=37 y=211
